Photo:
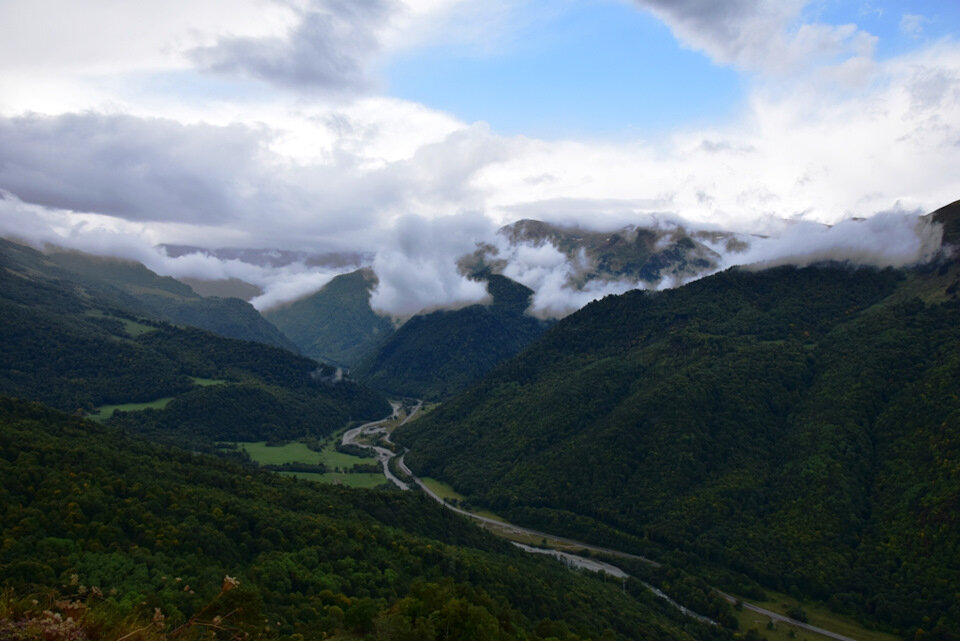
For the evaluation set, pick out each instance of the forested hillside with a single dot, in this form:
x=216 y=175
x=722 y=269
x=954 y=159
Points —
x=78 y=347
x=439 y=354
x=336 y=324
x=167 y=299
x=799 y=425
x=133 y=540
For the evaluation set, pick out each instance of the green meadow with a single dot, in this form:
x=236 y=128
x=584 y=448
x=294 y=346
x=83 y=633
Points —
x=338 y=463
x=446 y=491
x=106 y=411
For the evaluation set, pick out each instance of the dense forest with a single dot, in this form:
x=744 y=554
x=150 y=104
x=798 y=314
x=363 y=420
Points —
x=335 y=324
x=801 y=426
x=167 y=299
x=790 y=429
x=116 y=532
x=76 y=347
x=438 y=354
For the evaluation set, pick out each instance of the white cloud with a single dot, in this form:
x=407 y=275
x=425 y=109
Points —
x=417 y=266
x=762 y=35
x=136 y=144
x=328 y=51
x=911 y=24
x=884 y=240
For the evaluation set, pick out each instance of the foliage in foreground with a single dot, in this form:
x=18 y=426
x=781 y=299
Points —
x=150 y=527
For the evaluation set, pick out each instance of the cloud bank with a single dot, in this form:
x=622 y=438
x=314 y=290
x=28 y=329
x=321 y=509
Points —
x=115 y=139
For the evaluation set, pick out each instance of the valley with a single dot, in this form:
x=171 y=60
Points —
x=580 y=555
x=731 y=453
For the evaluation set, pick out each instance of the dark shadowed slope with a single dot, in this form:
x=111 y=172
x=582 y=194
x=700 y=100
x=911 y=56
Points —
x=336 y=324
x=165 y=298
x=80 y=346
x=438 y=354
x=799 y=425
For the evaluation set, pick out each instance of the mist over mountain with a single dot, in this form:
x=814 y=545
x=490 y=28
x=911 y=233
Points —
x=792 y=423
x=438 y=354
x=419 y=261
x=82 y=332
x=336 y=324
x=272 y=257
x=160 y=298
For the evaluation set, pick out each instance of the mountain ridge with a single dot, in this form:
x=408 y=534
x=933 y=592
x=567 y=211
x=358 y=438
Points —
x=735 y=418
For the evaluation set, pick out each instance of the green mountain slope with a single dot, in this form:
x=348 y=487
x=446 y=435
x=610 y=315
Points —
x=80 y=346
x=336 y=324
x=137 y=539
x=797 y=425
x=438 y=354
x=167 y=299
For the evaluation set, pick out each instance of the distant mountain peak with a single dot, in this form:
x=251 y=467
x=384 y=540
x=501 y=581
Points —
x=631 y=253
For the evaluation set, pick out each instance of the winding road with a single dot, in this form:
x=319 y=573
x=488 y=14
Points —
x=350 y=437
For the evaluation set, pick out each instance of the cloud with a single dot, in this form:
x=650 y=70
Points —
x=888 y=239
x=911 y=24
x=418 y=269
x=760 y=35
x=98 y=36
x=328 y=51
x=548 y=271
x=138 y=169
x=160 y=171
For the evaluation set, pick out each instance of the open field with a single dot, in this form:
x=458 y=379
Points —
x=289 y=453
x=106 y=411
x=779 y=632
x=333 y=460
x=132 y=328
x=819 y=615
x=340 y=478
x=445 y=491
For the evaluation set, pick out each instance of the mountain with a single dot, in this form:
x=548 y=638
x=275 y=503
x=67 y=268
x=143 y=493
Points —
x=272 y=257
x=108 y=537
x=949 y=217
x=165 y=298
x=800 y=426
x=438 y=354
x=223 y=288
x=79 y=345
x=648 y=254
x=336 y=324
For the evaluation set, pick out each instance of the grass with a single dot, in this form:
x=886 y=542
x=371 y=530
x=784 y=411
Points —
x=340 y=478
x=106 y=411
x=289 y=453
x=332 y=459
x=132 y=328
x=135 y=329
x=441 y=489
x=819 y=615
x=445 y=491
x=779 y=632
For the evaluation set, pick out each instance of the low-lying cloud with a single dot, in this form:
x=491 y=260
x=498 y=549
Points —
x=417 y=270
x=417 y=259
x=887 y=239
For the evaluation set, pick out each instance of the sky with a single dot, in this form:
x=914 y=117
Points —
x=411 y=129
